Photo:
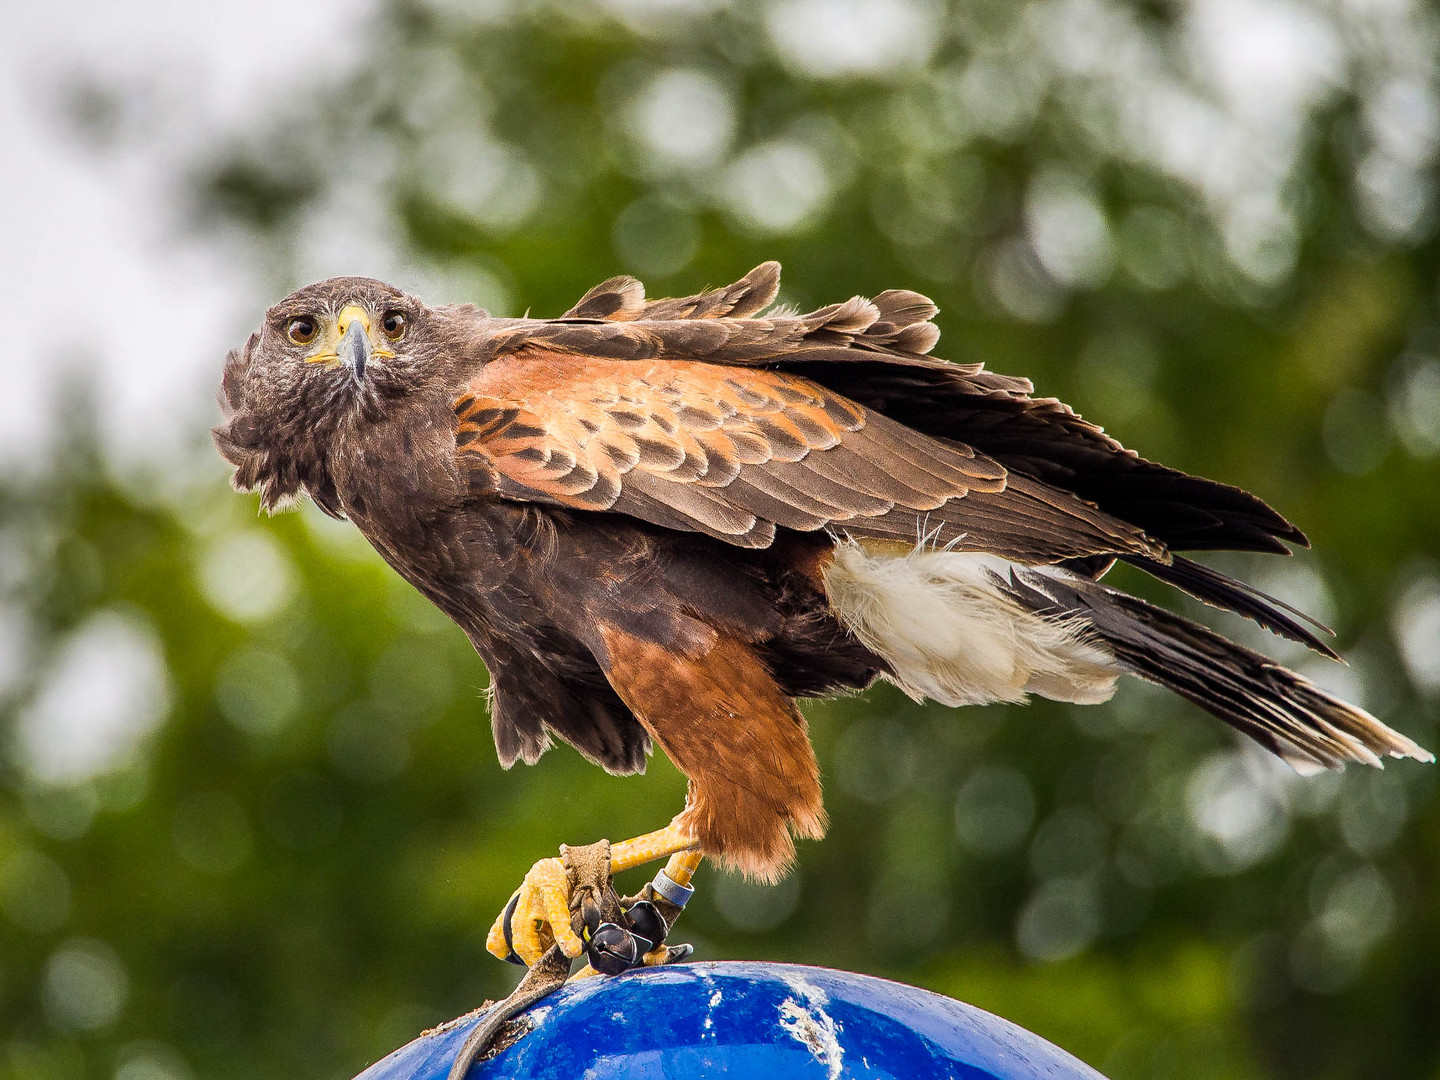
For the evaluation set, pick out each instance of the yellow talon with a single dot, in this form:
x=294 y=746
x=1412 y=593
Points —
x=541 y=917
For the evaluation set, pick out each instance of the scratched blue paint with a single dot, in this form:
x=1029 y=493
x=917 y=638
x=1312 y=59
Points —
x=747 y=1021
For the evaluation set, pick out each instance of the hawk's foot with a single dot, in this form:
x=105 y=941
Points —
x=537 y=917
x=539 y=914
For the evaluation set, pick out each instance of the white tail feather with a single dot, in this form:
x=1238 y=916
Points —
x=951 y=635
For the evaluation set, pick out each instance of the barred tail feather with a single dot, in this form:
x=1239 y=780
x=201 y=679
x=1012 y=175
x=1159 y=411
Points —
x=1283 y=711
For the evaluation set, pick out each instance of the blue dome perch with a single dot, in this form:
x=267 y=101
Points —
x=746 y=1021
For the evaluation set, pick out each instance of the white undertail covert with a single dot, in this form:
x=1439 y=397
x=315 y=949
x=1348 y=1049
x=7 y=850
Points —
x=952 y=635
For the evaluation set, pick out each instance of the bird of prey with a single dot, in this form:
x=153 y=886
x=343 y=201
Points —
x=663 y=521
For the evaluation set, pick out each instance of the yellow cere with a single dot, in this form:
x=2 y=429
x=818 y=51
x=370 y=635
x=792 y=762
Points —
x=352 y=313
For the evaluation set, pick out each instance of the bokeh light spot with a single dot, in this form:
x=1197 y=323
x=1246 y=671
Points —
x=684 y=119
x=1372 y=810
x=1229 y=802
x=84 y=986
x=876 y=777
x=151 y=1060
x=1357 y=432
x=1415 y=409
x=776 y=186
x=753 y=907
x=258 y=690
x=211 y=833
x=102 y=692
x=34 y=891
x=246 y=576
x=367 y=746
x=833 y=38
x=653 y=237
x=1060 y=920
x=994 y=808
x=1416 y=628
x=1068 y=230
x=1072 y=841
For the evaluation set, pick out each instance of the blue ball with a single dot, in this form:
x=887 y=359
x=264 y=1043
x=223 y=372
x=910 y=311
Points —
x=746 y=1021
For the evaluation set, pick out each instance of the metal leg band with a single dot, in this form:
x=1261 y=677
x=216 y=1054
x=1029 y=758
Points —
x=672 y=890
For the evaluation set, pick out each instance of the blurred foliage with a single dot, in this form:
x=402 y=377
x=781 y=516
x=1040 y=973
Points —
x=250 y=820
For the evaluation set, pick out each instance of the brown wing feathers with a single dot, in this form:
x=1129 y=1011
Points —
x=711 y=416
x=735 y=453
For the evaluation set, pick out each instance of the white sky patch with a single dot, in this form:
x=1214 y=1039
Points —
x=836 y=38
x=347 y=230
x=102 y=693
x=92 y=254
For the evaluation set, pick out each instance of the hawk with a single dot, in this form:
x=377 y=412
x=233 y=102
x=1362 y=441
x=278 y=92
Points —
x=663 y=521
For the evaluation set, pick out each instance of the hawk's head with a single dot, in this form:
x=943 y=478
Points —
x=328 y=356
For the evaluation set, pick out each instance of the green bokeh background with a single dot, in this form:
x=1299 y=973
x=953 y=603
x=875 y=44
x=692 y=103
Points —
x=291 y=867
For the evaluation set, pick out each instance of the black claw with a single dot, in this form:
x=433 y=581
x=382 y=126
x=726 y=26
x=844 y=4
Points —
x=512 y=957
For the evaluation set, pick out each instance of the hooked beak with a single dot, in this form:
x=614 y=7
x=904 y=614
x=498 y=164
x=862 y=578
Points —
x=355 y=351
x=355 y=344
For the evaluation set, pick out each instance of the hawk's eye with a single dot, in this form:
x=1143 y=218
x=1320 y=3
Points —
x=302 y=330
x=394 y=324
